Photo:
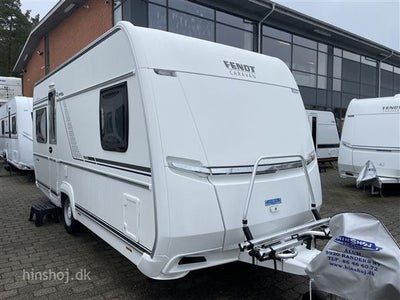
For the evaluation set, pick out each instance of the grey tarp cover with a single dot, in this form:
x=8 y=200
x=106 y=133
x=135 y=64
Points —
x=368 y=175
x=360 y=261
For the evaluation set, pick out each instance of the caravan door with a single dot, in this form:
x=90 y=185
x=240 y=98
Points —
x=45 y=145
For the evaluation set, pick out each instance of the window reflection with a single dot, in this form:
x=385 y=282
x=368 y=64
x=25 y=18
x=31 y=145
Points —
x=190 y=25
x=304 y=59
x=234 y=37
x=280 y=49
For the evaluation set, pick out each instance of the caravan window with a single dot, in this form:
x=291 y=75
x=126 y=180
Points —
x=14 y=125
x=52 y=117
x=2 y=127
x=114 y=118
x=41 y=125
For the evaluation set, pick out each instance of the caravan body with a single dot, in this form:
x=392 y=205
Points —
x=149 y=139
x=9 y=88
x=16 y=145
x=325 y=134
x=371 y=132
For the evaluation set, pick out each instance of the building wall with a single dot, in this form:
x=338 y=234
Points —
x=327 y=75
x=34 y=70
x=83 y=26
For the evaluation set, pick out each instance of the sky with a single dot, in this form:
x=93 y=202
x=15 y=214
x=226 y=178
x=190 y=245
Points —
x=376 y=20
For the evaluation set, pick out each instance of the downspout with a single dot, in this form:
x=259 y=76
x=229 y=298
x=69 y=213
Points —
x=259 y=27
x=379 y=71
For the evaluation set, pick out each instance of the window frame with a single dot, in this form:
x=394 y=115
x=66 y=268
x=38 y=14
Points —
x=38 y=132
x=122 y=87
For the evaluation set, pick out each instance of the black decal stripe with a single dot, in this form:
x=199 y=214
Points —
x=119 y=166
x=322 y=146
x=113 y=230
x=47 y=188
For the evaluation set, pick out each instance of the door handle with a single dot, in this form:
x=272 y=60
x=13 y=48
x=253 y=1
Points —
x=50 y=149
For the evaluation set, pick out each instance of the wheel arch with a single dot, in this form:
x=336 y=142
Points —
x=67 y=192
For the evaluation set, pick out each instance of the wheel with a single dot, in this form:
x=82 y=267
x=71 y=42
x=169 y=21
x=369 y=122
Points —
x=70 y=224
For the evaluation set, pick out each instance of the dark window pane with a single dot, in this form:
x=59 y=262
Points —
x=234 y=37
x=305 y=79
x=397 y=82
x=235 y=21
x=114 y=118
x=368 y=74
x=41 y=125
x=275 y=33
x=192 y=8
x=346 y=98
x=157 y=17
x=309 y=96
x=304 y=59
x=351 y=87
x=351 y=70
x=304 y=42
x=278 y=49
x=52 y=118
x=368 y=91
x=321 y=98
x=386 y=92
x=336 y=99
x=190 y=25
x=386 y=79
x=14 y=125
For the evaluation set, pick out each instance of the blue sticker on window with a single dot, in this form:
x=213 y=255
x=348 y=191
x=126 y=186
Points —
x=274 y=201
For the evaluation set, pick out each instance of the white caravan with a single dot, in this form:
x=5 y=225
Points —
x=371 y=132
x=150 y=139
x=16 y=146
x=325 y=134
x=9 y=88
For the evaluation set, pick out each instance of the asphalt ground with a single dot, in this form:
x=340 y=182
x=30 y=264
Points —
x=47 y=263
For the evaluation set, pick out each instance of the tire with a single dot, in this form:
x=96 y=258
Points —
x=70 y=224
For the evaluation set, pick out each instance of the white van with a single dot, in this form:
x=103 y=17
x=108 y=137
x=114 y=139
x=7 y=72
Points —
x=150 y=139
x=371 y=132
x=16 y=146
x=325 y=134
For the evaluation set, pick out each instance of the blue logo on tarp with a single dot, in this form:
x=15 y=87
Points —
x=274 y=201
x=357 y=244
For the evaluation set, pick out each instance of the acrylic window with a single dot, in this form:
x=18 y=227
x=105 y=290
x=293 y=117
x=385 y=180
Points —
x=52 y=118
x=114 y=118
x=41 y=125
x=14 y=125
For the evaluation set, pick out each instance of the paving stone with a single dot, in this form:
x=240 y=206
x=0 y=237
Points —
x=25 y=247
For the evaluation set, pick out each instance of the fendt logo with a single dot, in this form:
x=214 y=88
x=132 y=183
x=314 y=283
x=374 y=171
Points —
x=391 y=108
x=357 y=244
x=240 y=70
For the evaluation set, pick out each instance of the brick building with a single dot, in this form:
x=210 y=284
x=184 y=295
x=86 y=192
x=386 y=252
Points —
x=64 y=31
x=331 y=65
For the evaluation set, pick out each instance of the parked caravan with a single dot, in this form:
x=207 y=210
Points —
x=10 y=87
x=16 y=146
x=174 y=152
x=325 y=134
x=371 y=132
